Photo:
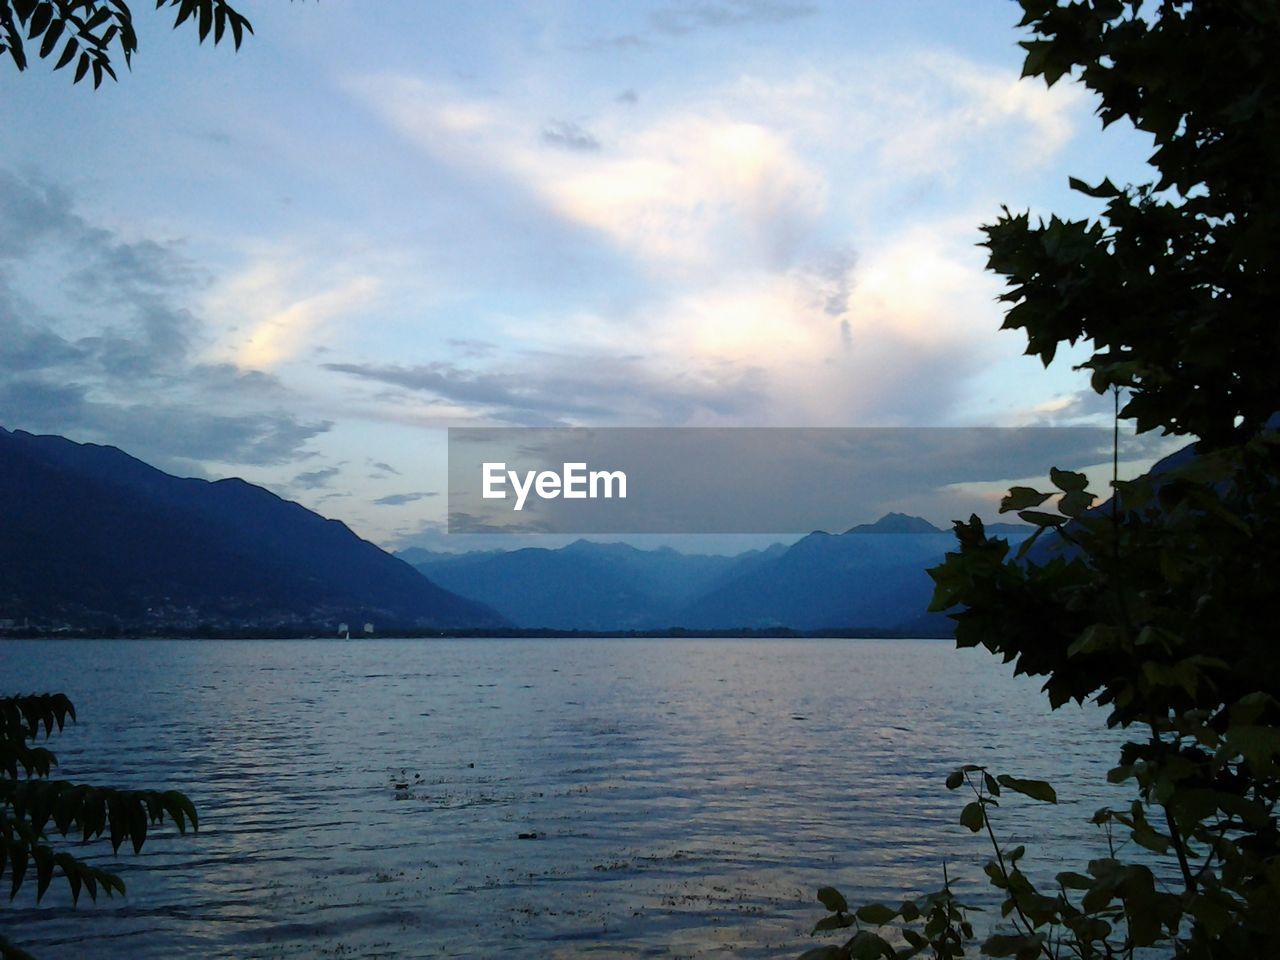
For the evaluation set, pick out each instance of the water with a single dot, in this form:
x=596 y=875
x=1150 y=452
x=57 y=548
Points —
x=687 y=797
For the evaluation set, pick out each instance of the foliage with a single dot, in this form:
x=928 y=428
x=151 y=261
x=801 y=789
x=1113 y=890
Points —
x=1176 y=283
x=1160 y=604
x=96 y=30
x=33 y=808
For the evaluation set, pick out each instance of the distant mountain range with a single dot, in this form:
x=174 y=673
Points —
x=91 y=536
x=93 y=539
x=870 y=577
x=586 y=585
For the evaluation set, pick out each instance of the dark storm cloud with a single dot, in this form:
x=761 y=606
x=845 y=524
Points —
x=550 y=389
x=95 y=342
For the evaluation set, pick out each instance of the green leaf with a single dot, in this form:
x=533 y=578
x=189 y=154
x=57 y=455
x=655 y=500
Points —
x=68 y=52
x=1067 y=481
x=1103 y=191
x=836 y=921
x=1012 y=945
x=1035 y=789
x=833 y=900
x=40 y=20
x=18 y=859
x=1041 y=519
x=866 y=945
x=1019 y=498
x=1075 y=503
x=824 y=953
x=876 y=914
x=43 y=857
x=51 y=37
x=972 y=816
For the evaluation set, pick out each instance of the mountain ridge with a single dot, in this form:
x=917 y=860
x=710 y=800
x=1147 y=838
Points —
x=872 y=576
x=93 y=534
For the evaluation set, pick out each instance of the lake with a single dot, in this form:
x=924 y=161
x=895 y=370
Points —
x=686 y=797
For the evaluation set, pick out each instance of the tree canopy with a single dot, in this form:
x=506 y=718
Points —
x=1175 y=285
x=35 y=812
x=91 y=33
x=1159 y=604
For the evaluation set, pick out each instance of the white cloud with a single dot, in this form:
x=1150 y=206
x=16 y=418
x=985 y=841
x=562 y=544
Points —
x=753 y=172
x=278 y=306
x=685 y=190
x=679 y=190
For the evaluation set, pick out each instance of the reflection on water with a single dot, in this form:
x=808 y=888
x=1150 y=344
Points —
x=573 y=798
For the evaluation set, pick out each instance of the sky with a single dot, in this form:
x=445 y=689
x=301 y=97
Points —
x=301 y=262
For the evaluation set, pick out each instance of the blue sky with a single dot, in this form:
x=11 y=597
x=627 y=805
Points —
x=301 y=262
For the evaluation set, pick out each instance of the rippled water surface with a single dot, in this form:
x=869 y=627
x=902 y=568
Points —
x=686 y=797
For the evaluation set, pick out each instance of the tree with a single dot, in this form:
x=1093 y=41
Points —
x=91 y=32
x=1160 y=604
x=33 y=808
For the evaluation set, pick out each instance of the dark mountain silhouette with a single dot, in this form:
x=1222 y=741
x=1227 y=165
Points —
x=90 y=535
x=872 y=577
x=896 y=523
x=828 y=581
x=585 y=585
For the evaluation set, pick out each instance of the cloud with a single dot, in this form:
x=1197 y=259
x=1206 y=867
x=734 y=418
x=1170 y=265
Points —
x=956 y=108
x=93 y=322
x=676 y=191
x=683 y=189
x=891 y=336
x=570 y=136
x=400 y=499
x=549 y=388
x=472 y=348
x=758 y=172
x=313 y=479
x=116 y=299
x=696 y=16
x=156 y=431
x=275 y=308
x=685 y=18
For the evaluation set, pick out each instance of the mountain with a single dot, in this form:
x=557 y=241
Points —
x=895 y=523
x=585 y=585
x=873 y=576
x=832 y=581
x=91 y=536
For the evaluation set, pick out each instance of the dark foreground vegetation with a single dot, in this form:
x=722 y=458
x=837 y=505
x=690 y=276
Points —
x=1160 y=604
